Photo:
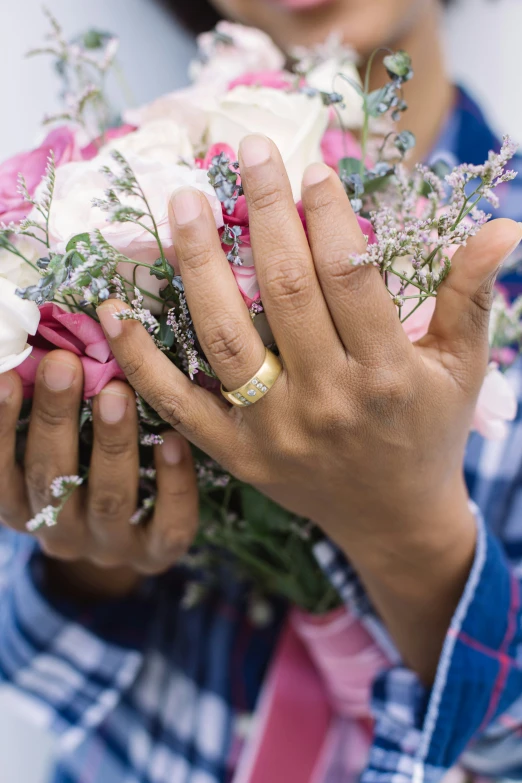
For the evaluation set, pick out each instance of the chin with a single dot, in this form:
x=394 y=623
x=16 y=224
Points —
x=363 y=24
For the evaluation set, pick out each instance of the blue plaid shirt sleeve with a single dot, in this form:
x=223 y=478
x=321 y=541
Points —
x=473 y=713
x=70 y=665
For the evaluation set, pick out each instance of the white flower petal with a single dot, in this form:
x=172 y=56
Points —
x=10 y=362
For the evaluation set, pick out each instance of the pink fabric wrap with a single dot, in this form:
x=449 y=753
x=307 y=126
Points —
x=314 y=721
x=315 y=707
x=75 y=332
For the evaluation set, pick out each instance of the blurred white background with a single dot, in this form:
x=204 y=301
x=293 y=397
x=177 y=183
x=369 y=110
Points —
x=483 y=48
x=484 y=51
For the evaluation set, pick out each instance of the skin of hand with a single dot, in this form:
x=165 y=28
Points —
x=363 y=432
x=93 y=551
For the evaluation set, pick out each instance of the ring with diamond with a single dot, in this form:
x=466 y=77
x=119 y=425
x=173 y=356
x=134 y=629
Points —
x=259 y=385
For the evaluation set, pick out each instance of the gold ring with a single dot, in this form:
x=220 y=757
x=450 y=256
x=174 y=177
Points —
x=259 y=385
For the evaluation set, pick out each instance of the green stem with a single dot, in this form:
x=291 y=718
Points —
x=411 y=282
x=421 y=301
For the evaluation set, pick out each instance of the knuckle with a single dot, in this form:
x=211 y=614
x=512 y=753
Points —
x=482 y=299
x=196 y=255
x=265 y=197
x=106 y=505
x=169 y=546
x=38 y=481
x=332 y=420
x=133 y=367
x=225 y=340
x=170 y=408
x=108 y=560
x=113 y=444
x=344 y=273
x=175 y=543
x=51 y=416
x=288 y=280
x=320 y=203
x=388 y=389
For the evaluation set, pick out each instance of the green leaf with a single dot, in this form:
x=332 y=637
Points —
x=71 y=244
x=377 y=183
x=349 y=166
x=262 y=512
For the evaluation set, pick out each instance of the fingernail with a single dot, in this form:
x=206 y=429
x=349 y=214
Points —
x=254 y=149
x=186 y=205
x=58 y=376
x=172 y=448
x=315 y=173
x=6 y=387
x=112 y=406
x=111 y=325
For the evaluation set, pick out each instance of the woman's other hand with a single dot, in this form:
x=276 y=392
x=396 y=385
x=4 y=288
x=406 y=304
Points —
x=101 y=552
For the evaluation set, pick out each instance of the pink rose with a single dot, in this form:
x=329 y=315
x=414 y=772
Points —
x=213 y=151
x=417 y=324
x=496 y=405
x=245 y=49
x=337 y=144
x=278 y=80
x=75 y=332
x=91 y=150
x=32 y=165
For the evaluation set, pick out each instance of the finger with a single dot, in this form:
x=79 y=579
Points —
x=290 y=291
x=114 y=473
x=362 y=309
x=14 y=505
x=175 y=521
x=52 y=445
x=196 y=413
x=223 y=324
x=459 y=326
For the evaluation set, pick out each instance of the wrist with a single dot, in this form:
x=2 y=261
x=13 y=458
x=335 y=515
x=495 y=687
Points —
x=424 y=526
x=415 y=571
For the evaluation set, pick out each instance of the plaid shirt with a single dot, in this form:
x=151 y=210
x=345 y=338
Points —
x=145 y=691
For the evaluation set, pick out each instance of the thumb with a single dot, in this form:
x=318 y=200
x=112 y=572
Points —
x=460 y=322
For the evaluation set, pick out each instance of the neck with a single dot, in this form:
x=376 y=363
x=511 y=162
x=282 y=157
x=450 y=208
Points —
x=430 y=93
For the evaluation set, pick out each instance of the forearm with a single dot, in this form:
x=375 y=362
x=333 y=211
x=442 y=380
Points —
x=415 y=571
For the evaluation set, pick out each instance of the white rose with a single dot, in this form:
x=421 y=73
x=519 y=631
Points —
x=189 y=105
x=327 y=78
x=18 y=319
x=77 y=184
x=161 y=140
x=294 y=121
x=231 y=51
x=14 y=268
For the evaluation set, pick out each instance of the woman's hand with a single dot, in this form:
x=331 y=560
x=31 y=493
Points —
x=104 y=554
x=363 y=432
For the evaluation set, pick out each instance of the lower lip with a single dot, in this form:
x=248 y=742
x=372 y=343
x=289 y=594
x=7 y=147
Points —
x=300 y=5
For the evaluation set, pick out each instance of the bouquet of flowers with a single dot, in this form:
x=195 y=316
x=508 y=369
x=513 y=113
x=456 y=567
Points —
x=84 y=217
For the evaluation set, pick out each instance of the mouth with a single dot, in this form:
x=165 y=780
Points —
x=299 y=5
